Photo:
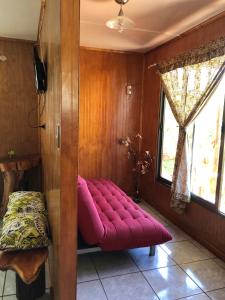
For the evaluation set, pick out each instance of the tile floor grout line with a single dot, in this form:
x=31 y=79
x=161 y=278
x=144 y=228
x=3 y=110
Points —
x=195 y=261
x=98 y=276
x=155 y=268
x=143 y=275
x=203 y=259
x=149 y=285
x=185 y=297
x=134 y=272
x=222 y=288
x=215 y=258
x=191 y=278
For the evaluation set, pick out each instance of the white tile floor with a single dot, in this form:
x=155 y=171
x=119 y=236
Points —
x=180 y=269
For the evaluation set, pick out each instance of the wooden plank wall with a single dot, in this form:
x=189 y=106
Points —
x=199 y=222
x=107 y=113
x=18 y=99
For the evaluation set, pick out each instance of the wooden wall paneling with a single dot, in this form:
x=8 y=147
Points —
x=199 y=222
x=107 y=113
x=18 y=100
x=59 y=42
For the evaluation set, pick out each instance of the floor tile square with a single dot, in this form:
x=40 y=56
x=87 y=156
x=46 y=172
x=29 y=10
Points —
x=217 y=295
x=207 y=274
x=177 y=234
x=2 y=279
x=171 y=283
x=184 y=252
x=220 y=262
x=91 y=290
x=85 y=269
x=10 y=283
x=113 y=263
x=12 y=297
x=146 y=262
x=197 y=297
x=203 y=249
x=127 y=287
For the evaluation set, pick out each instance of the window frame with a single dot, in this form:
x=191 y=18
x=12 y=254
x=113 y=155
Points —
x=211 y=206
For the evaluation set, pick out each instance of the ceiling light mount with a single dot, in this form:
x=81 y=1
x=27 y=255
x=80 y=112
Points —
x=121 y=2
x=121 y=22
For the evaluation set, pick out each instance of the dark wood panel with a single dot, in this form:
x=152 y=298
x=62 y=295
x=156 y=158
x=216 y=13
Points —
x=199 y=222
x=59 y=41
x=107 y=113
x=17 y=99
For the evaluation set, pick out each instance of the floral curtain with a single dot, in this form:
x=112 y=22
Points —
x=188 y=82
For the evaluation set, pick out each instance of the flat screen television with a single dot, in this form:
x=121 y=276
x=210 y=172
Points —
x=40 y=73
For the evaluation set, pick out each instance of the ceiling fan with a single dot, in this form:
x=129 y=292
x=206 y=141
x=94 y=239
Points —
x=121 y=22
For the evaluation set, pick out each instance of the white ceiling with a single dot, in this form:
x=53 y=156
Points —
x=157 y=21
x=19 y=19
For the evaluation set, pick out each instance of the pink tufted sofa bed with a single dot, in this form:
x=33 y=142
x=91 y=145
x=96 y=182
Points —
x=107 y=217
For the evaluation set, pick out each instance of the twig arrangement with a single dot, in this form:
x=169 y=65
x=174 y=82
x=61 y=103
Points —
x=142 y=160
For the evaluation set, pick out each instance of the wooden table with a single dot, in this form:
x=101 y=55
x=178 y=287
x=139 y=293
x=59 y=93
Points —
x=12 y=171
x=29 y=266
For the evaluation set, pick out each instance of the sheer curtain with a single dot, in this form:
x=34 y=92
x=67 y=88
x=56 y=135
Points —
x=188 y=82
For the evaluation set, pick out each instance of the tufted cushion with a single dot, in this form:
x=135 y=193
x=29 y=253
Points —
x=125 y=224
x=89 y=222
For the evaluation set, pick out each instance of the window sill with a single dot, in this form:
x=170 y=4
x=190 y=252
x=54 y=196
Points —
x=194 y=198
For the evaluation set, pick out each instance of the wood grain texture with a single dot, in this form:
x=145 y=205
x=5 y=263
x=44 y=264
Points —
x=17 y=99
x=107 y=113
x=50 y=53
x=26 y=263
x=199 y=222
x=70 y=33
x=59 y=43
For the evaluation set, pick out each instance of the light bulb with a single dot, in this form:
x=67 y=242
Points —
x=120 y=23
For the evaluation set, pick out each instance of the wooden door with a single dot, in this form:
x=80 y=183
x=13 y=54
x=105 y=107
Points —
x=59 y=47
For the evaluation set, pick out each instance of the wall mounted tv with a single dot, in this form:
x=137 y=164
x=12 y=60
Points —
x=40 y=73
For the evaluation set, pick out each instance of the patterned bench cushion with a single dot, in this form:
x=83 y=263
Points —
x=25 y=222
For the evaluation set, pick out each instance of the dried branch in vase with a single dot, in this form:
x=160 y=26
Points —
x=142 y=160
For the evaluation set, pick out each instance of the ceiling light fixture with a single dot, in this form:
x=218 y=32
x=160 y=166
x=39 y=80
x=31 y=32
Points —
x=121 y=22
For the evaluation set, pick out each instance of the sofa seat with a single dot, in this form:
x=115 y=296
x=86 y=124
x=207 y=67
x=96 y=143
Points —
x=121 y=224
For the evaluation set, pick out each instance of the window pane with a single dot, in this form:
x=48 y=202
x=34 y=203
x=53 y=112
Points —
x=207 y=135
x=169 y=143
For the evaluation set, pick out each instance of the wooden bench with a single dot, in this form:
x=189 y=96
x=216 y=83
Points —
x=29 y=267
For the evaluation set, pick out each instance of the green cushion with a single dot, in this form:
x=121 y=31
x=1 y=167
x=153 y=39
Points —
x=26 y=202
x=25 y=223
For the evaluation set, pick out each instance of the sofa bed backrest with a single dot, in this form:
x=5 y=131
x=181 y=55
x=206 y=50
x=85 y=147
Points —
x=89 y=222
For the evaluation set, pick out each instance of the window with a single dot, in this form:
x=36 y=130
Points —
x=206 y=140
